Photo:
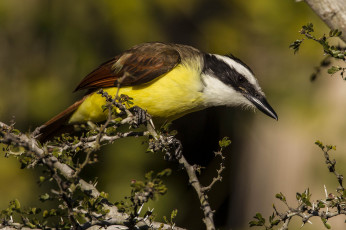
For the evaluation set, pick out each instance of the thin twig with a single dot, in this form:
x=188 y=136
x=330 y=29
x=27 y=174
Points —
x=203 y=198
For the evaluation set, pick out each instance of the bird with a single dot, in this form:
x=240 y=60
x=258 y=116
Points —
x=167 y=80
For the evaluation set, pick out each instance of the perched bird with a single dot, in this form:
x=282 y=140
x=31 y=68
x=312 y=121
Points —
x=167 y=80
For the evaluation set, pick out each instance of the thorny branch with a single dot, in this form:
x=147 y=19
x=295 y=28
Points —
x=203 y=197
x=114 y=217
x=65 y=174
x=57 y=155
x=332 y=205
x=219 y=172
x=170 y=143
x=201 y=190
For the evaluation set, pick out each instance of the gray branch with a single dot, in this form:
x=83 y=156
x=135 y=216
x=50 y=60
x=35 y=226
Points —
x=332 y=12
x=114 y=219
x=203 y=198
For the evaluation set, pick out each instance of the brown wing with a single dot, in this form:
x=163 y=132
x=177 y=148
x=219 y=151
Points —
x=141 y=64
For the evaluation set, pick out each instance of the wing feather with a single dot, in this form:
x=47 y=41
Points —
x=139 y=65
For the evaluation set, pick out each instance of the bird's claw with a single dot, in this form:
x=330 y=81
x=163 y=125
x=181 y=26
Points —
x=141 y=116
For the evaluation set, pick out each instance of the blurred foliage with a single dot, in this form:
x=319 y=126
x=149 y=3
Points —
x=47 y=47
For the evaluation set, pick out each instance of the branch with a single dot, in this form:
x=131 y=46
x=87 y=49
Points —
x=202 y=190
x=332 y=12
x=332 y=205
x=203 y=198
x=95 y=209
x=113 y=217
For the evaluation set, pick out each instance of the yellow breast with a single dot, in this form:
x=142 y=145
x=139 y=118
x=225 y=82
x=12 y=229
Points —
x=169 y=97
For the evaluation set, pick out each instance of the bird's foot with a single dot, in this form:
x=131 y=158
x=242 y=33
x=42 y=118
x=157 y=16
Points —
x=140 y=116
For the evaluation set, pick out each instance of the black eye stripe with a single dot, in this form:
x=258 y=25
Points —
x=226 y=73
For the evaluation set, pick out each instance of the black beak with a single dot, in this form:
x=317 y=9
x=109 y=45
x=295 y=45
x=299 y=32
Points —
x=262 y=104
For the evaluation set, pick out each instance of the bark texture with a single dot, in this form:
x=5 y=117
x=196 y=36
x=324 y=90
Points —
x=332 y=12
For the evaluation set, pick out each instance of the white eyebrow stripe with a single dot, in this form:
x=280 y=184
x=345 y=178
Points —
x=239 y=68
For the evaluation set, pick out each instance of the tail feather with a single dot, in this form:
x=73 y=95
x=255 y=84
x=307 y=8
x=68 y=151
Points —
x=57 y=125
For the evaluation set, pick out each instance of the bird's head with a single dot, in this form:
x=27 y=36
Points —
x=228 y=81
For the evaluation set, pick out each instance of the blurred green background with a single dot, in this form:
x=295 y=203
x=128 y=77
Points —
x=47 y=47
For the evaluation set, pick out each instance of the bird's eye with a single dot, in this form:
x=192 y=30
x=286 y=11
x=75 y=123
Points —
x=257 y=95
x=241 y=78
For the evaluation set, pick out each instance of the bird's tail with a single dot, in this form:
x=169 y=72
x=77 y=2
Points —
x=57 y=125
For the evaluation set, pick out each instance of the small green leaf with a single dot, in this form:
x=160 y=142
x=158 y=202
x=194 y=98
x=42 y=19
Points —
x=165 y=172
x=15 y=131
x=254 y=223
x=327 y=225
x=174 y=213
x=117 y=120
x=295 y=45
x=332 y=70
x=335 y=33
x=30 y=225
x=34 y=211
x=320 y=204
x=259 y=216
x=44 y=197
x=281 y=197
x=306 y=198
x=260 y=222
x=224 y=142
x=298 y=196
x=319 y=144
x=275 y=222
x=16 y=204
x=271 y=217
x=309 y=27
x=104 y=195
x=329 y=147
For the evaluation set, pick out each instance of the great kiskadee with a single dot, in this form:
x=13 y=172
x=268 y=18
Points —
x=167 y=80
